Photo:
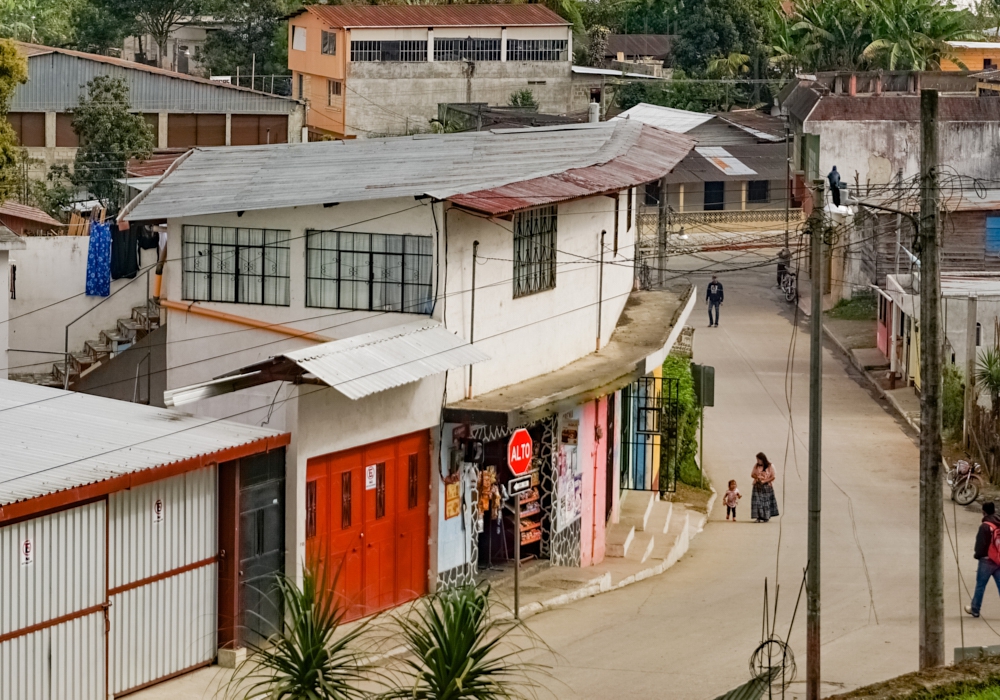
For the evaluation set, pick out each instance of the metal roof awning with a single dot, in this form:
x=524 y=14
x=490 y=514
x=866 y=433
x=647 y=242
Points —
x=647 y=329
x=725 y=161
x=356 y=367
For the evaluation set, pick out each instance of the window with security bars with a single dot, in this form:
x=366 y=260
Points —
x=238 y=265
x=536 y=50
x=311 y=493
x=534 y=251
x=369 y=271
x=469 y=49
x=396 y=51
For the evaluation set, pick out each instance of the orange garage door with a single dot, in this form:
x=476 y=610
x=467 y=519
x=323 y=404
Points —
x=367 y=519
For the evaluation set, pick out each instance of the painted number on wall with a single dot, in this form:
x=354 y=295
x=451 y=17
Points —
x=371 y=477
x=27 y=552
x=158 y=511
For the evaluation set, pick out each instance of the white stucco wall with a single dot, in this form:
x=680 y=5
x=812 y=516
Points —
x=876 y=150
x=538 y=333
x=51 y=291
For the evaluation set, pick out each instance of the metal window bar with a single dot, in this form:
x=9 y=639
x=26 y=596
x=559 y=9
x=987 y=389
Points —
x=537 y=50
x=380 y=490
x=409 y=51
x=310 y=509
x=649 y=435
x=345 y=500
x=468 y=49
x=238 y=265
x=534 y=251
x=369 y=271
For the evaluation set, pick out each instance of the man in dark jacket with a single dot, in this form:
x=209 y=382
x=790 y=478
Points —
x=834 y=178
x=714 y=297
x=987 y=568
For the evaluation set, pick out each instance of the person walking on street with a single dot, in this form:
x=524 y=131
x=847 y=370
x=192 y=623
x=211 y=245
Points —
x=714 y=297
x=834 y=178
x=987 y=555
x=763 y=504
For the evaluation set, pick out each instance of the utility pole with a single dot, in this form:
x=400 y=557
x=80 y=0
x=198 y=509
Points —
x=661 y=234
x=815 y=445
x=788 y=183
x=971 y=316
x=931 y=511
x=899 y=219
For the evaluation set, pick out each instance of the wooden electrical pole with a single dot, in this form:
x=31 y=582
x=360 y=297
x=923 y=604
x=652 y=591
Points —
x=931 y=490
x=815 y=446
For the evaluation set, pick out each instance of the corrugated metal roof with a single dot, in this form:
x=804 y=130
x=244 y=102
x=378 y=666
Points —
x=678 y=120
x=590 y=70
x=654 y=45
x=23 y=211
x=974 y=44
x=766 y=160
x=724 y=161
x=52 y=440
x=156 y=164
x=358 y=16
x=247 y=178
x=372 y=362
x=904 y=108
x=642 y=154
x=754 y=122
x=56 y=77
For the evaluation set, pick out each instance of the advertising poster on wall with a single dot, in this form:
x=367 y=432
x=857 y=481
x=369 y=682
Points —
x=569 y=477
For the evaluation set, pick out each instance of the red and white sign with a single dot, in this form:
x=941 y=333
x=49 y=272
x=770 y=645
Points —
x=27 y=552
x=519 y=452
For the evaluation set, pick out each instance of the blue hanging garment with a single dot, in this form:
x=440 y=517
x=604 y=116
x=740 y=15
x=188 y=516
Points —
x=99 y=260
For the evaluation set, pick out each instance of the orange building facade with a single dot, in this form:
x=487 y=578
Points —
x=973 y=55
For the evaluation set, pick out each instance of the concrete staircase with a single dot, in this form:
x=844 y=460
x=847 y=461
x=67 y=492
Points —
x=99 y=351
x=644 y=518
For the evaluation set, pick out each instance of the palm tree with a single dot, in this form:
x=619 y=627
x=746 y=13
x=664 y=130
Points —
x=309 y=659
x=913 y=34
x=458 y=650
x=838 y=29
x=988 y=376
x=729 y=67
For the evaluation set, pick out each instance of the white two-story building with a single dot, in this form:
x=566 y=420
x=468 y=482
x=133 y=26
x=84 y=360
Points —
x=400 y=306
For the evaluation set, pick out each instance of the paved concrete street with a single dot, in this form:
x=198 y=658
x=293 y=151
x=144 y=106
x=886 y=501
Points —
x=690 y=632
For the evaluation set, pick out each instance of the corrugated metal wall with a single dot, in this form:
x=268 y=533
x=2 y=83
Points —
x=162 y=628
x=75 y=670
x=56 y=81
x=65 y=575
x=170 y=624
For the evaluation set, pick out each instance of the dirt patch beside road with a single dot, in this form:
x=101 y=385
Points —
x=941 y=682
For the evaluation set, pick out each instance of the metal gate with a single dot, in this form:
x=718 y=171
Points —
x=649 y=439
x=262 y=545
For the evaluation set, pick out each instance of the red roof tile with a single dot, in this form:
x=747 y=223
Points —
x=357 y=16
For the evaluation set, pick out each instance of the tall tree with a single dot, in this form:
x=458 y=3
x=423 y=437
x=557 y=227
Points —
x=708 y=29
x=13 y=72
x=110 y=135
x=157 y=18
x=253 y=35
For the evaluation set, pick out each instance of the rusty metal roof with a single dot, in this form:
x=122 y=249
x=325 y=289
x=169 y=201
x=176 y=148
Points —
x=363 y=16
x=903 y=108
x=494 y=171
x=156 y=164
x=644 y=154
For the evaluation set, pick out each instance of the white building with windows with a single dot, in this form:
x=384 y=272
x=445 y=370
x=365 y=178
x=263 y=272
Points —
x=381 y=298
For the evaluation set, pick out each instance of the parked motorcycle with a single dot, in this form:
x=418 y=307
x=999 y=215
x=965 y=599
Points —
x=965 y=482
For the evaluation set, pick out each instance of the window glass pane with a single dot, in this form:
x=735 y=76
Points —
x=236 y=265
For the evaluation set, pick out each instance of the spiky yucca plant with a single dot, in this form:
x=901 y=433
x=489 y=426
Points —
x=459 y=651
x=309 y=659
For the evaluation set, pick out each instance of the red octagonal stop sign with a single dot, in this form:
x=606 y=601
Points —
x=519 y=452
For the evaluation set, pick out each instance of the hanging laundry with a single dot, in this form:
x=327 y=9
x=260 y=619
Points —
x=148 y=238
x=99 y=260
x=124 y=253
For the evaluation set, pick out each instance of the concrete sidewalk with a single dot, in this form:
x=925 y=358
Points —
x=542 y=587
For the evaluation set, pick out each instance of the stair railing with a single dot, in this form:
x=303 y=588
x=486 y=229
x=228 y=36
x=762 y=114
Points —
x=66 y=352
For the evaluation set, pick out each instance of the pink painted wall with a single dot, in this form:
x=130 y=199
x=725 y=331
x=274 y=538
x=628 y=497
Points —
x=593 y=461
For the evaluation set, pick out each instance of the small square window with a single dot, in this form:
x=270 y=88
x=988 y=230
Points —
x=328 y=44
x=758 y=192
